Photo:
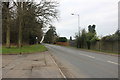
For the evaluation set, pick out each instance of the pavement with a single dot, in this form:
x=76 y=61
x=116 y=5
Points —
x=35 y=65
x=75 y=63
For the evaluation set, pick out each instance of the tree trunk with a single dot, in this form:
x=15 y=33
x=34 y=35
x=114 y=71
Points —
x=20 y=35
x=8 y=36
x=7 y=26
x=20 y=24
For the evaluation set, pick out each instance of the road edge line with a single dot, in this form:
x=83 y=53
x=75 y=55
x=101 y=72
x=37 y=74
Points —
x=58 y=67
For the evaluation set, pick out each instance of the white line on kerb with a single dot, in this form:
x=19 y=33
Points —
x=112 y=62
x=58 y=67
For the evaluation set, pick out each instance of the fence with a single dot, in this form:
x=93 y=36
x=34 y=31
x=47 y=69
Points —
x=106 y=46
x=103 y=46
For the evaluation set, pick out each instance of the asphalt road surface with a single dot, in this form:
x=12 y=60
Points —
x=83 y=64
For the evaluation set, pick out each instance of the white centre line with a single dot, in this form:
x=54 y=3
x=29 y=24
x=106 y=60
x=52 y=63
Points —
x=91 y=56
x=88 y=56
x=113 y=62
x=99 y=59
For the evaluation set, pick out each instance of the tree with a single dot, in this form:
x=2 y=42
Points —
x=51 y=35
x=113 y=37
x=78 y=43
x=20 y=12
x=6 y=18
x=91 y=35
x=83 y=38
x=86 y=38
x=70 y=38
x=91 y=28
x=27 y=20
x=36 y=16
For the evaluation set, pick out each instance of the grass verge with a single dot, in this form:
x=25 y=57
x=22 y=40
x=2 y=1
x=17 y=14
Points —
x=100 y=51
x=24 y=49
x=91 y=50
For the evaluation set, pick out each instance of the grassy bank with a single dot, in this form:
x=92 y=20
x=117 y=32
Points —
x=92 y=50
x=24 y=49
x=100 y=51
x=0 y=49
x=96 y=51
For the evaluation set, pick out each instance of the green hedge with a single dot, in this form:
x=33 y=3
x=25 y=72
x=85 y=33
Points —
x=62 y=39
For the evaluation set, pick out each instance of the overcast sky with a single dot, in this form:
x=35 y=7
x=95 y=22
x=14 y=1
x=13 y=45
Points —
x=102 y=13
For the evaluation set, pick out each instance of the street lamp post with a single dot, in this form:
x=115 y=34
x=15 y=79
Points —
x=78 y=44
x=78 y=22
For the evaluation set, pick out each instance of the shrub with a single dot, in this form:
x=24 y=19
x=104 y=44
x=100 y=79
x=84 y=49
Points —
x=62 y=39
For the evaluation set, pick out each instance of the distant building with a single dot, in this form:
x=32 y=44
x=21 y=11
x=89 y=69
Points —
x=119 y=15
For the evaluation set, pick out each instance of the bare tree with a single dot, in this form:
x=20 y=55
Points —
x=6 y=18
x=35 y=16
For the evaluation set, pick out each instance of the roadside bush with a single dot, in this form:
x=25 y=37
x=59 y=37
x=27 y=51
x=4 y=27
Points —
x=62 y=39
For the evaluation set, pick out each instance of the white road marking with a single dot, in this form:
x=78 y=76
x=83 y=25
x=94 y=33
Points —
x=88 y=56
x=91 y=56
x=112 y=62
x=99 y=59
x=58 y=68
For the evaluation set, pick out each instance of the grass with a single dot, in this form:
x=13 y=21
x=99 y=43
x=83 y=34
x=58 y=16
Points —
x=101 y=51
x=0 y=49
x=93 y=50
x=24 y=49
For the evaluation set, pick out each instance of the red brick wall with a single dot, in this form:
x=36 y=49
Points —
x=62 y=43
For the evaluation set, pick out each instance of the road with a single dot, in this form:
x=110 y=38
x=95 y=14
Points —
x=84 y=64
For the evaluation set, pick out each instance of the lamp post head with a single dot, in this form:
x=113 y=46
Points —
x=72 y=14
x=75 y=14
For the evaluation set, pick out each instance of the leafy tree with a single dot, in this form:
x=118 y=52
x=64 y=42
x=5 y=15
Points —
x=91 y=35
x=86 y=38
x=78 y=43
x=117 y=32
x=83 y=38
x=91 y=29
x=113 y=37
x=70 y=38
x=51 y=35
